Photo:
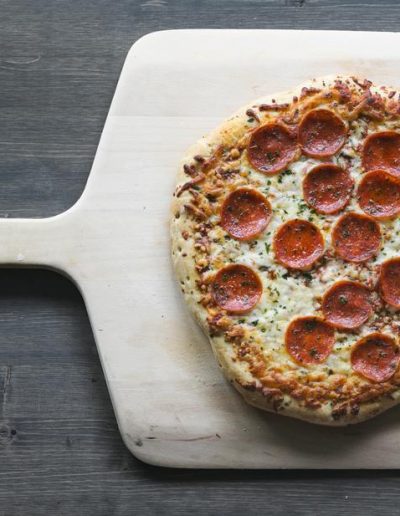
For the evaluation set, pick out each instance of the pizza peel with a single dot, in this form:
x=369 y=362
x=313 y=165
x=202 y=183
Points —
x=173 y=406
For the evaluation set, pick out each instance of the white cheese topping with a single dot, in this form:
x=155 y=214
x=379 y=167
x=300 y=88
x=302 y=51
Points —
x=290 y=294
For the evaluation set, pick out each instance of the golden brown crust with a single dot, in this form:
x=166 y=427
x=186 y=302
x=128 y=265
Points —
x=211 y=169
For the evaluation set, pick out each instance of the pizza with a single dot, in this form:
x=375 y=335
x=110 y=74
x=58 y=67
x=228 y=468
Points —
x=286 y=244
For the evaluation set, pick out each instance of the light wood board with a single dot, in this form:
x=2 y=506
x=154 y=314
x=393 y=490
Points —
x=172 y=404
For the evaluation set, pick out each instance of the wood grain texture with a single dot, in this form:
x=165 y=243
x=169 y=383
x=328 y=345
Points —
x=60 y=450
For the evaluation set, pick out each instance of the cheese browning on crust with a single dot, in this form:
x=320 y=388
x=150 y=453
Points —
x=250 y=343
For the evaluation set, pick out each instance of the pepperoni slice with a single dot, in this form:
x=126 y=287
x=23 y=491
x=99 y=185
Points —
x=321 y=133
x=245 y=213
x=309 y=340
x=327 y=188
x=382 y=151
x=236 y=288
x=271 y=148
x=376 y=357
x=356 y=237
x=347 y=305
x=389 y=282
x=379 y=194
x=298 y=244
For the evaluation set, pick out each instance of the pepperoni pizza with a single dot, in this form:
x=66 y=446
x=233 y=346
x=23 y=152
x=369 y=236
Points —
x=286 y=243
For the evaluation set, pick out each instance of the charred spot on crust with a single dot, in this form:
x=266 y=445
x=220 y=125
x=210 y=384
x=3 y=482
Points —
x=339 y=412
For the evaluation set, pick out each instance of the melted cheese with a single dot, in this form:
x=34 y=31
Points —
x=287 y=295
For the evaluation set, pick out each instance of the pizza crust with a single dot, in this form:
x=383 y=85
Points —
x=184 y=253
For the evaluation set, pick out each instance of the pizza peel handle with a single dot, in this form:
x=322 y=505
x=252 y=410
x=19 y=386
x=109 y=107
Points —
x=34 y=242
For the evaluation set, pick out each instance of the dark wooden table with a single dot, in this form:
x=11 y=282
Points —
x=60 y=450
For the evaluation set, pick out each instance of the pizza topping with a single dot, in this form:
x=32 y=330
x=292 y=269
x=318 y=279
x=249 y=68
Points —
x=343 y=90
x=236 y=288
x=273 y=107
x=379 y=194
x=356 y=237
x=321 y=133
x=307 y=92
x=375 y=357
x=327 y=188
x=389 y=282
x=382 y=151
x=365 y=85
x=189 y=184
x=252 y=115
x=271 y=148
x=309 y=340
x=298 y=244
x=245 y=213
x=347 y=305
